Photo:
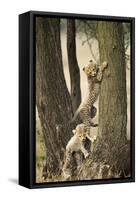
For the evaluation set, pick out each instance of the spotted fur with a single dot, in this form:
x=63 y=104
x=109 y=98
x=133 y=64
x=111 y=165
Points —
x=75 y=145
x=94 y=75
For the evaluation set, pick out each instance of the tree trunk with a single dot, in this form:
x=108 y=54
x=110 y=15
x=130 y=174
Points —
x=52 y=97
x=73 y=64
x=113 y=98
x=111 y=153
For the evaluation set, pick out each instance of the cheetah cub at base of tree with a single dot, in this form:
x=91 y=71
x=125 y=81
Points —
x=75 y=144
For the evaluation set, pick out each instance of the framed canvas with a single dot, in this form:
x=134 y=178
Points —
x=76 y=99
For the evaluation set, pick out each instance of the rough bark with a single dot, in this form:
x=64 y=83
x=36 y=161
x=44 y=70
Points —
x=111 y=153
x=113 y=99
x=73 y=64
x=52 y=97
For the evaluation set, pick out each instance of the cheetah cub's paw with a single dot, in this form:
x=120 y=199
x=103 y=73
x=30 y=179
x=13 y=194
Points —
x=86 y=155
x=104 y=65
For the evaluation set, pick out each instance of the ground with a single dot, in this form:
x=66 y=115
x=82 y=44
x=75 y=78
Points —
x=40 y=153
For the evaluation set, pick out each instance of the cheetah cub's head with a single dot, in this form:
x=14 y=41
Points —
x=80 y=132
x=91 y=69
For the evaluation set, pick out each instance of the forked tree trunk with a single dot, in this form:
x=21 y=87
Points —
x=73 y=64
x=52 y=97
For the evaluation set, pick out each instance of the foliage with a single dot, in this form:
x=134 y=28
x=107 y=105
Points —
x=87 y=26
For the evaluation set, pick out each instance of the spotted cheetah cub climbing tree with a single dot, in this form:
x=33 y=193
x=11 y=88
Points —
x=94 y=75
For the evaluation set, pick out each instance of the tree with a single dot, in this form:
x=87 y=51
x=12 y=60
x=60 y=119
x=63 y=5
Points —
x=113 y=99
x=73 y=64
x=52 y=97
x=111 y=153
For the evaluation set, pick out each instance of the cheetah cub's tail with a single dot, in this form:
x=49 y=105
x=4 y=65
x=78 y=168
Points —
x=75 y=115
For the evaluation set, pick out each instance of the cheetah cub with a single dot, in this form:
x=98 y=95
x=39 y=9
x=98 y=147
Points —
x=75 y=144
x=94 y=75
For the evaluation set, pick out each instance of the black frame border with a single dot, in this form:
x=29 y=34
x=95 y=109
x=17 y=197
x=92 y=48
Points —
x=27 y=176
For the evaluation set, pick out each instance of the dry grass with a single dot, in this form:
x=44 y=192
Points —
x=40 y=153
